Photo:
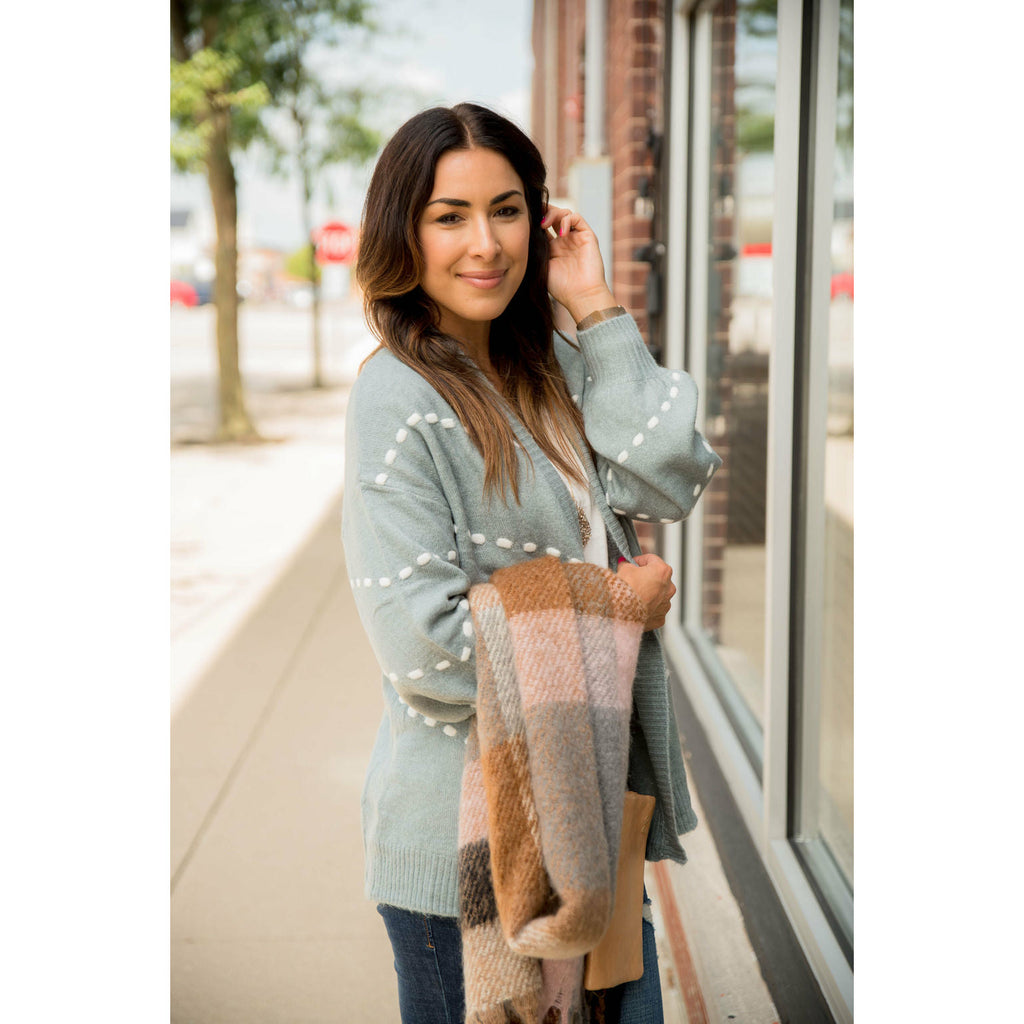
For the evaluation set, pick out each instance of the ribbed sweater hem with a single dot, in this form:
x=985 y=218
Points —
x=417 y=880
x=428 y=883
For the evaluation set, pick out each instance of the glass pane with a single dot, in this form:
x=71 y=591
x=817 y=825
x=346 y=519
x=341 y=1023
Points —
x=835 y=796
x=743 y=73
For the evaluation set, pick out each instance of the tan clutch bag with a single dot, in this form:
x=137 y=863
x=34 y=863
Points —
x=619 y=956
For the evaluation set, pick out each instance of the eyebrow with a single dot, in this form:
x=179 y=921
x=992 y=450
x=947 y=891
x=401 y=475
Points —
x=494 y=201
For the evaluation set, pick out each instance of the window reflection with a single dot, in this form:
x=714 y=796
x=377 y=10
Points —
x=835 y=794
x=743 y=73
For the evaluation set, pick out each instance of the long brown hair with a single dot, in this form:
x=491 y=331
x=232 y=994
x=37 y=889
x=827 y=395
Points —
x=406 y=320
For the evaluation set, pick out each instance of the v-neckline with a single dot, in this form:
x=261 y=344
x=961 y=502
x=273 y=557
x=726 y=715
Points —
x=568 y=502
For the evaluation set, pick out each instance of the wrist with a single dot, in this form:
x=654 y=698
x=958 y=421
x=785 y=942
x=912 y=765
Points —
x=582 y=305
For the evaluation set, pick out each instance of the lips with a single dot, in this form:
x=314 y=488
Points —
x=483 y=278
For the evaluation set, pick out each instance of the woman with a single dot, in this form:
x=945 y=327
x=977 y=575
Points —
x=478 y=439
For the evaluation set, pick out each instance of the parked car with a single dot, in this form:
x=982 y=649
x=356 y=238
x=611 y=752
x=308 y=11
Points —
x=204 y=291
x=842 y=284
x=183 y=294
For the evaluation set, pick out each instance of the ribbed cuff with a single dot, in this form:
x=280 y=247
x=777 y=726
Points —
x=614 y=350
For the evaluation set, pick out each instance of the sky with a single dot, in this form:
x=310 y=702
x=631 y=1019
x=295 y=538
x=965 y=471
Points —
x=443 y=51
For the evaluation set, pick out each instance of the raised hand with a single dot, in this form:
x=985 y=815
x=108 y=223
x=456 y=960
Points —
x=575 y=267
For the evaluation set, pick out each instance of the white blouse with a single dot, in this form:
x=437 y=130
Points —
x=596 y=549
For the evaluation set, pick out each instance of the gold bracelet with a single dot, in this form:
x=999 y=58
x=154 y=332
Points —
x=600 y=316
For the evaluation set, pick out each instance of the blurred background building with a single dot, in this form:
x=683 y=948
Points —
x=710 y=144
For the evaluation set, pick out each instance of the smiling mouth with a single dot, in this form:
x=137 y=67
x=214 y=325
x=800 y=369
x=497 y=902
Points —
x=484 y=278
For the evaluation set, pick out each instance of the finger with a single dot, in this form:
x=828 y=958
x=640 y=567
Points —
x=660 y=567
x=551 y=214
x=649 y=557
x=572 y=221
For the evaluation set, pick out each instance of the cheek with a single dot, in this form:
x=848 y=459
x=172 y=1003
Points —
x=436 y=255
x=523 y=249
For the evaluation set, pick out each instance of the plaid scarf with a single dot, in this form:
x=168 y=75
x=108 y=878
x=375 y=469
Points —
x=543 y=784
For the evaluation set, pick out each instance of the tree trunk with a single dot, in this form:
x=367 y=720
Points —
x=307 y=196
x=318 y=378
x=234 y=423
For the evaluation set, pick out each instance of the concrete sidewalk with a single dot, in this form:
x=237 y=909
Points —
x=269 y=921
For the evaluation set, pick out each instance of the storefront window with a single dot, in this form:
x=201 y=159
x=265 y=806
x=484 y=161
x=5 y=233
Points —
x=769 y=302
x=738 y=336
x=835 y=791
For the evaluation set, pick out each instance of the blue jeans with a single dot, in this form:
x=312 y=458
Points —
x=428 y=962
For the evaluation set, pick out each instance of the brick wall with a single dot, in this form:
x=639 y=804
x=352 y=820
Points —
x=634 y=87
x=634 y=105
x=719 y=388
x=633 y=102
x=560 y=143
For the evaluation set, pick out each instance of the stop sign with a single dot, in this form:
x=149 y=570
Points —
x=335 y=243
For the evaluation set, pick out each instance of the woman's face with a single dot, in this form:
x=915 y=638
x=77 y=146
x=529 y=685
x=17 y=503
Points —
x=474 y=234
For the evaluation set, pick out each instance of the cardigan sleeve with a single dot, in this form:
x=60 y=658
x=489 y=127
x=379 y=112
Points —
x=401 y=553
x=640 y=420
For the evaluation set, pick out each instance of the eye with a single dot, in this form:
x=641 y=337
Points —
x=448 y=218
x=509 y=211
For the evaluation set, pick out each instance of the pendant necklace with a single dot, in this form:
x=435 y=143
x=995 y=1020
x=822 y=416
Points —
x=584 y=523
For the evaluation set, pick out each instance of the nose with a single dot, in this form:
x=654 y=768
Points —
x=484 y=242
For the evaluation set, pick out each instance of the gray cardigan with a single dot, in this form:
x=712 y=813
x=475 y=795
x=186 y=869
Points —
x=418 y=534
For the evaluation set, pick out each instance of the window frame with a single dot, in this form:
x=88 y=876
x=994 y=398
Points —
x=808 y=41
